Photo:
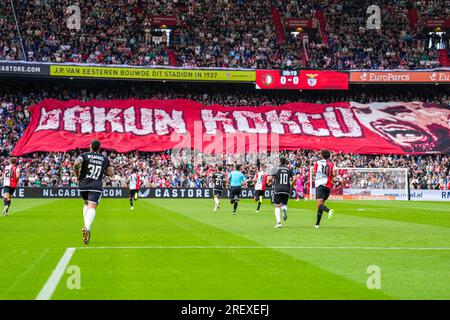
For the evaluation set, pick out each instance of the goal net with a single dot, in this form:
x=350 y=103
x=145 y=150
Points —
x=366 y=184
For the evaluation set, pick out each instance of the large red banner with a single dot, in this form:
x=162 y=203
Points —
x=157 y=125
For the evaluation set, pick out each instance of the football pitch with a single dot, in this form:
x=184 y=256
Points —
x=180 y=249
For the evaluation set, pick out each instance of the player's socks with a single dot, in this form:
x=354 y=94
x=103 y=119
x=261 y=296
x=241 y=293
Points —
x=319 y=216
x=90 y=216
x=216 y=204
x=259 y=206
x=278 y=215
x=235 y=205
x=8 y=206
x=131 y=202
x=85 y=208
x=324 y=208
x=284 y=209
x=217 y=201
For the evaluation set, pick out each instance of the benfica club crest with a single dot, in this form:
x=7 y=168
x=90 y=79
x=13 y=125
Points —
x=312 y=81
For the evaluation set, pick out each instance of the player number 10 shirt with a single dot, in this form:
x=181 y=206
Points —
x=324 y=173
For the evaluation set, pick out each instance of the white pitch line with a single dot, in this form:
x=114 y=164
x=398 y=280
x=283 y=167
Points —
x=50 y=286
x=271 y=247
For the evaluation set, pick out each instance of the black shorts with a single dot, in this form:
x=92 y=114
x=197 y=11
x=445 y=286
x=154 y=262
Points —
x=91 y=196
x=217 y=192
x=8 y=189
x=259 y=193
x=235 y=193
x=322 y=192
x=133 y=192
x=281 y=198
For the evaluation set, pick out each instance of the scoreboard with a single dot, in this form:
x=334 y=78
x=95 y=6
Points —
x=301 y=80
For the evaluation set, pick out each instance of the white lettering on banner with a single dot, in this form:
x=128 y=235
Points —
x=119 y=120
x=375 y=77
x=210 y=122
x=78 y=116
x=112 y=116
x=334 y=121
x=146 y=122
x=354 y=130
x=307 y=126
x=163 y=121
x=277 y=122
x=49 y=119
x=242 y=119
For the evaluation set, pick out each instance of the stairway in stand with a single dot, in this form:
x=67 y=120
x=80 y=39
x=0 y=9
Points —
x=172 y=57
x=278 y=25
x=320 y=16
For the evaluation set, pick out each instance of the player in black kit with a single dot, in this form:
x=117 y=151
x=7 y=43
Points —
x=282 y=183
x=89 y=169
x=218 y=179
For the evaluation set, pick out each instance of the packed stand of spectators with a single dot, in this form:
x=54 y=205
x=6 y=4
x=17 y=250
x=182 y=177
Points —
x=44 y=169
x=433 y=9
x=351 y=45
x=9 y=39
x=186 y=170
x=225 y=33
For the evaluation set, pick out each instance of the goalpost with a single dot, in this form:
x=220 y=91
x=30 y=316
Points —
x=366 y=184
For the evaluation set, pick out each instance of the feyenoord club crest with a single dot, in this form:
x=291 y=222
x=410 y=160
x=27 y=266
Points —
x=267 y=79
x=312 y=81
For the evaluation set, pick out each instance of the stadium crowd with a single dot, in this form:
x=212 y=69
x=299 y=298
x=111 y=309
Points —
x=349 y=44
x=164 y=169
x=230 y=33
x=161 y=169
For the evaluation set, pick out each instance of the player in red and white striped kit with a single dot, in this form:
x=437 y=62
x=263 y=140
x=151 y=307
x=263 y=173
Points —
x=324 y=172
x=260 y=187
x=135 y=185
x=10 y=178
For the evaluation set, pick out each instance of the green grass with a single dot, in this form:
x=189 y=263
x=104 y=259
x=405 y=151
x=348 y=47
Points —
x=179 y=249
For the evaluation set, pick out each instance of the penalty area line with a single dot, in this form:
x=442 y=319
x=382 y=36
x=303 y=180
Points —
x=260 y=247
x=50 y=286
